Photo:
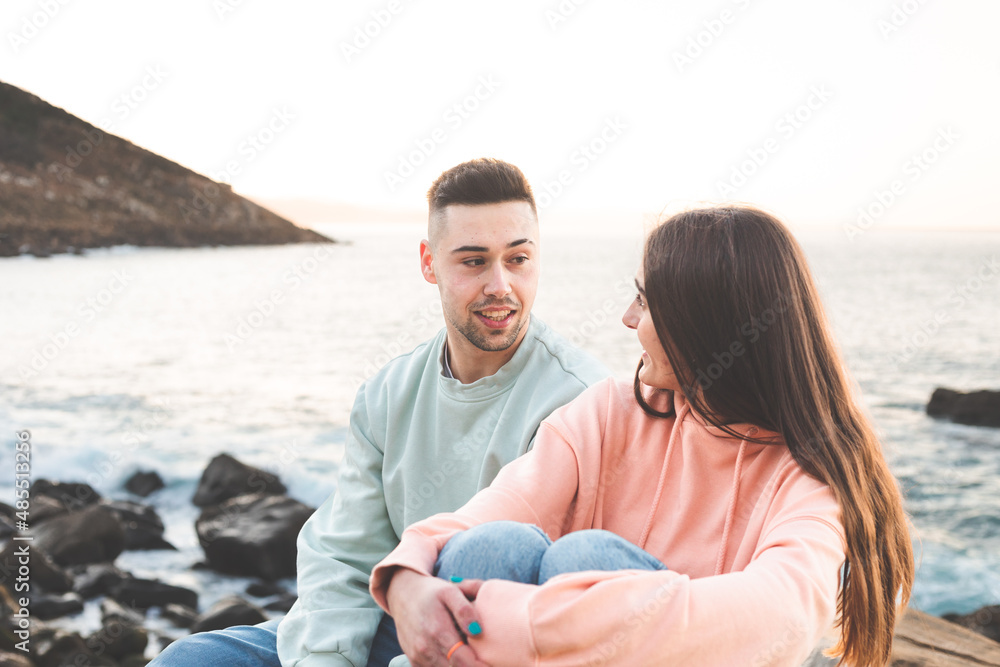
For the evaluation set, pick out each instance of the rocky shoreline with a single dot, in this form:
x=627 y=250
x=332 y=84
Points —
x=247 y=527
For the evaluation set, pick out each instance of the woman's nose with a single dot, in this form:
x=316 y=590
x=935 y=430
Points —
x=631 y=316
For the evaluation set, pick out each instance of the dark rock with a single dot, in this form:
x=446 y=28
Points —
x=112 y=610
x=97 y=579
x=144 y=483
x=283 y=603
x=253 y=535
x=91 y=535
x=121 y=632
x=8 y=623
x=985 y=621
x=142 y=525
x=48 y=576
x=44 y=508
x=977 y=408
x=8 y=659
x=265 y=589
x=146 y=593
x=227 y=612
x=46 y=607
x=7 y=525
x=165 y=641
x=179 y=615
x=66 y=648
x=7 y=528
x=226 y=478
x=72 y=496
x=7 y=521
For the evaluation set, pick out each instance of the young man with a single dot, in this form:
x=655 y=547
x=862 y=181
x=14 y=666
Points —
x=427 y=431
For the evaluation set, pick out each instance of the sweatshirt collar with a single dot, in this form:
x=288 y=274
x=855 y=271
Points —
x=498 y=383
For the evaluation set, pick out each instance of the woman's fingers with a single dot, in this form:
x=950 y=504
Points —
x=427 y=611
x=462 y=610
x=470 y=587
x=464 y=656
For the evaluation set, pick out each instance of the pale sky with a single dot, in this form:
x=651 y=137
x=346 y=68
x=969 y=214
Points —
x=812 y=110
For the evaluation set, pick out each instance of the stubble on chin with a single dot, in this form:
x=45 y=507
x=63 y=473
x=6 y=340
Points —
x=493 y=340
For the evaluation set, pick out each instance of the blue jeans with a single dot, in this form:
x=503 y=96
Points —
x=524 y=553
x=257 y=646
x=497 y=550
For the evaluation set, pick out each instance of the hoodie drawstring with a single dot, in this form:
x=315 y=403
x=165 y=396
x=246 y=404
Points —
x=731 y=512
x=663 y=476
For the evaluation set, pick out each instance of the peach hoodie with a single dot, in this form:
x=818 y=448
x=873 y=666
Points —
x=754 y=544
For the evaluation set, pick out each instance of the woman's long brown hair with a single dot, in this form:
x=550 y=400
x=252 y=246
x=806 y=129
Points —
x=738 y=314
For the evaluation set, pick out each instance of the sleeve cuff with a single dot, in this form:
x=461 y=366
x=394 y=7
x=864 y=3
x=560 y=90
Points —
x=416 y=552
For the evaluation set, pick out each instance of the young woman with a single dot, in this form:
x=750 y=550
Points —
x=728 y=508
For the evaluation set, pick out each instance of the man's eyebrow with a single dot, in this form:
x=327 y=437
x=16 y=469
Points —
x=479 y=248
x=639 y=287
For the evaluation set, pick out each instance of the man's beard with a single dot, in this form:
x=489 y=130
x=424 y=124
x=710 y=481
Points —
x=492 y=340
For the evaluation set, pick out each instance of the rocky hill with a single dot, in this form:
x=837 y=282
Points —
x=66 y=185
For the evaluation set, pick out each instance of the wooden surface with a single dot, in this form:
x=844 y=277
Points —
x=927 y=640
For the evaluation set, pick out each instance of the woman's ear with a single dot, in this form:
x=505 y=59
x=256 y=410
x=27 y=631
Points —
x=427 y=262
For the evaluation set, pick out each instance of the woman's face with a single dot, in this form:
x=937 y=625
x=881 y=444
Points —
x=656 y=370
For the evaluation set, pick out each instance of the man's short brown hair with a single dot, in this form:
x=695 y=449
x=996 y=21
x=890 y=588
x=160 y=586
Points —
x=479 y=181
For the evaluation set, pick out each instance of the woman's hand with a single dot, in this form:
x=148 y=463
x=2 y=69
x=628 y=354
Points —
x=429 y=613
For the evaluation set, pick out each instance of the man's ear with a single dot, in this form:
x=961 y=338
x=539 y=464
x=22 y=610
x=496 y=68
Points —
x=427 y=262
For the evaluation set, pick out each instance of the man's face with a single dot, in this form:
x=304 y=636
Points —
x=484 y=261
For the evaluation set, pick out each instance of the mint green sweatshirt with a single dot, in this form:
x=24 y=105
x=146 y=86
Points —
x=419 y=444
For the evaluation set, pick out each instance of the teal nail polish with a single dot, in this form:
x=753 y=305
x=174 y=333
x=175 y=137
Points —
x=456 y=580
x=474 y=628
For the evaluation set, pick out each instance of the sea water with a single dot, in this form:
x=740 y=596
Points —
x=158 y=359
